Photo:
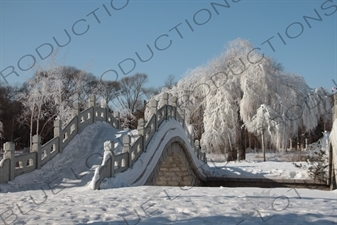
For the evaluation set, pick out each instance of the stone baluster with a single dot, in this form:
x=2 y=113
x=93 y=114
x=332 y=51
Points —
x=76 y=112
x=58 y=133
x=154 y=112
x=37 y=148
x=142 y=133
x=92 y=103
x=109 y=149
x=117 y=117
x=127 y=148
x=9 y=150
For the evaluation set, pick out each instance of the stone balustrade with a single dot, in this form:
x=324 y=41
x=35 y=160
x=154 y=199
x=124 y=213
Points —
x=39 y=155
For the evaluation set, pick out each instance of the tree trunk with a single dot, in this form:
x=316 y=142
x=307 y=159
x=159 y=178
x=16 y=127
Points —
x=241 y=146
x=240 y=139
x=232 y=154
x=31 y=131
x=263 y=147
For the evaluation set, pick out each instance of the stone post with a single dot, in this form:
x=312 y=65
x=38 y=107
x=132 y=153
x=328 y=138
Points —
x=183 y=117
x=154 y=112
x=103 y=103
x=127 y=148
x=197 y=145
x=76 y=109
x=92 y=103
x=109 y=149
x=173 y=102
x=76 y=113
x=117 y=117
x=154 y=105
x=165 y=98
x=58 y=133
x=37 y=148
x=141 y=132
x=165 y=103
x=9 y=149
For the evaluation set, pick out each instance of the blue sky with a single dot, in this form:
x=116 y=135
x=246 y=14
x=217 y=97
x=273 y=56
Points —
x=117 y=29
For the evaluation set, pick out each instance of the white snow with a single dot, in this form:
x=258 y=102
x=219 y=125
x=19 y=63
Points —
x=248 y=169
x=59 y=192
x=170 y=205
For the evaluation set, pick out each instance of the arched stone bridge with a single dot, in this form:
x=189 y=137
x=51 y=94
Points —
x=165 y=149
x=169 y=154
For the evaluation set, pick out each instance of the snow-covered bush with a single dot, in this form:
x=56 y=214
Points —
x=318 y=169
x=318 y=159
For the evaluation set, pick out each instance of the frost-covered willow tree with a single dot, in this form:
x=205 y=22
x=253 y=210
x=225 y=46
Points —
x=243 y=89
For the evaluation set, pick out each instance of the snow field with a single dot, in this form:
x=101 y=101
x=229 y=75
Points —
x=171 y=205
x=275 y=166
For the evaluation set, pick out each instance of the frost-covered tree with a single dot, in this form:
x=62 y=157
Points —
x=50 y=94
x=132 y=92
x=37 y=100
x=108 y=91
x=77 y=85
x=233 y=87
x=169 y=82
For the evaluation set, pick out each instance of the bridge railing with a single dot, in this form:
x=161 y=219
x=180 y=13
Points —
x=12 y=166
x=146 y=131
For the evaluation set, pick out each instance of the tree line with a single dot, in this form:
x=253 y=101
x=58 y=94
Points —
x=32 y=107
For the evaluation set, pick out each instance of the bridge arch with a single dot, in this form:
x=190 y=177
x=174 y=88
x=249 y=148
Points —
x=175 y=167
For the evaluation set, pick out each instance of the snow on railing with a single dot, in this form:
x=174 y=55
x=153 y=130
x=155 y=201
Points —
x=146 y=131
x=12 y=166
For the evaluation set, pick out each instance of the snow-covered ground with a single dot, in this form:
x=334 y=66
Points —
x=277 y=166
x=276 y=170
x=170 y=205
x=59 y=194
